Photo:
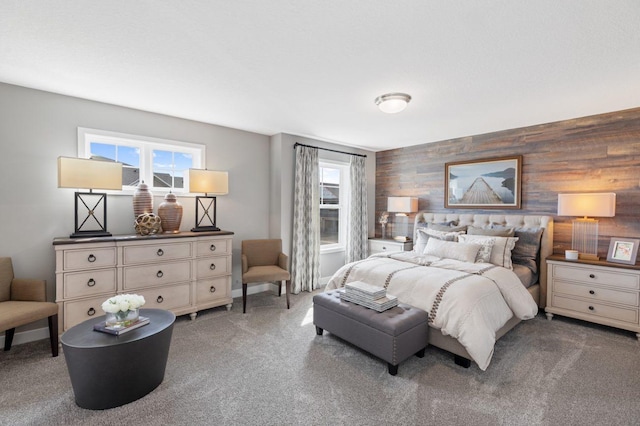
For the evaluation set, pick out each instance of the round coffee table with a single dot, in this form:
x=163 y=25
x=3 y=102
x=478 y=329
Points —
x=108 y=371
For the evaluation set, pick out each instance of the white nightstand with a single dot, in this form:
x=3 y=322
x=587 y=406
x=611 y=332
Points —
x=377 y=245
x=596 y=291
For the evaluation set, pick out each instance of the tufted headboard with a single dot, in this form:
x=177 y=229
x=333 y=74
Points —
x=481 y=220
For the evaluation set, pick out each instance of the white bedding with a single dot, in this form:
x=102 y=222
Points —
x=468 y=301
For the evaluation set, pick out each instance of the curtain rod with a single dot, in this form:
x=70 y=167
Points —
x=327 y=149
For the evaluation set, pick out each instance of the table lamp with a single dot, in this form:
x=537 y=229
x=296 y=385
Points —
x=209 y=182
x=584 y=235
x=90 y=220
x=401 y=206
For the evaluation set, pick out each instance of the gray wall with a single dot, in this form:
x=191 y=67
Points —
x=36 y=127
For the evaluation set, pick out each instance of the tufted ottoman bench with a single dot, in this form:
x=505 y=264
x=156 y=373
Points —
x=393 y=335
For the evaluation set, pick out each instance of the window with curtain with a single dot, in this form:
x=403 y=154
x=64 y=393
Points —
x=334 y=197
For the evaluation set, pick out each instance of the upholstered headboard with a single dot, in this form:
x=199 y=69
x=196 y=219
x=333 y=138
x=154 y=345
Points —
x=516 y=221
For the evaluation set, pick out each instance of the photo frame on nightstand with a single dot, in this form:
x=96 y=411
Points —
x=623 y=250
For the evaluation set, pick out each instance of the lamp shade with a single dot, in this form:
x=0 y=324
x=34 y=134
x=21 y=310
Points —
x=402 y=204
x=587 y=204
x=208 y=181
x=89 y=174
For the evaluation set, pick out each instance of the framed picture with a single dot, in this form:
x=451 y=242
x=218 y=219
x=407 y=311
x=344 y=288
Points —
x=623 y=250
x=483 y=184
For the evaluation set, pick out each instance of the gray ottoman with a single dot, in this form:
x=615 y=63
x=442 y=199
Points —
x=393 y=335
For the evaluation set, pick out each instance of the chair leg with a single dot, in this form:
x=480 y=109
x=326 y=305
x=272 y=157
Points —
x=279 y=288
x=288 y=290
x=53 y=334
x=8 y=338
x=244 y=298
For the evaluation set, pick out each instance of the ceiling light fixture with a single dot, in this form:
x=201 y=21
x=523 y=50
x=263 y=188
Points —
x=392 y=103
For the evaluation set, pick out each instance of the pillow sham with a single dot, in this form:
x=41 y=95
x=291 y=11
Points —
x=501 y=250
x=506 y=232
x=424 y=234
x=484 y=254
x=527 y=247
x=452 y=250
x=447 y=228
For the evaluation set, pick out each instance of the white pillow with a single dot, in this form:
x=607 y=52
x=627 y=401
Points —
x=501 y=250
x=424 y=234
x=452 y=250
x=484 y=254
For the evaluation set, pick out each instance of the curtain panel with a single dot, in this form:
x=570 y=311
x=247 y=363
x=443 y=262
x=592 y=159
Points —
x=358 y=226
x=305 y=259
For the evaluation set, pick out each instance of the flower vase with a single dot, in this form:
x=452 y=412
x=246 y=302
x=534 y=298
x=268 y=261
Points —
x=122 y=319
x=384 y=231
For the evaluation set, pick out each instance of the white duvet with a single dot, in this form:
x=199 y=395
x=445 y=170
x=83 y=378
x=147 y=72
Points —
x=467 y=301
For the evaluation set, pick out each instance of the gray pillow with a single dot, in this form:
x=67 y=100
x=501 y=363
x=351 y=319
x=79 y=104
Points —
x=447 y=228
x=527 y=247
x=491 y=232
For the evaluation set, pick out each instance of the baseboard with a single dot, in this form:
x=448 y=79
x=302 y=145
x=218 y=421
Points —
x=255 y=288
x=27 y=336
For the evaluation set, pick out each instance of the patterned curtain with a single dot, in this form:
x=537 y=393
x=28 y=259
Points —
x=305 y=257
x=358 y=227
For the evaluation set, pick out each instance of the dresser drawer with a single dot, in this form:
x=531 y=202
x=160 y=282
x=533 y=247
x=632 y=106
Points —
x=170 y=297
x=155 y=253
x=597 y=294
x=596 y=276
x=135 y=277
x=89 y=258
x=84 y=284
x=81 y=310
x=596 y=309
x=213 y=267
x=213 y=289
x=208 y=247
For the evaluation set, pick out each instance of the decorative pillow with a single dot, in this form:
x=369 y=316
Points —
x=527 y=247
x=501 y=250
x=484 y=254
x=423 y=236
x=447 y=228
x=503 y=232
x=452 y=250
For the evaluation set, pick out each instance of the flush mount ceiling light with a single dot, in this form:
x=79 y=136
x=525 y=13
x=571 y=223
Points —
x=392 y=102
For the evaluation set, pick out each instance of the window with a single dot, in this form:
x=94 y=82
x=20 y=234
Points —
x=333 y=198
x=161 y=164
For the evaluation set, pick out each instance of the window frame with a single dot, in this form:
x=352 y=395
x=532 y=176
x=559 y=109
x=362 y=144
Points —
x=146 y=145
x=342 y=205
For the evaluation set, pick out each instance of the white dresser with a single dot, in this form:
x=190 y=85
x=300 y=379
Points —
x=377 y=245
x=597 y=291
x=183 y=273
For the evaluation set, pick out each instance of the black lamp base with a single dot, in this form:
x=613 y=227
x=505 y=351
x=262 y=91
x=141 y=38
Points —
x=90 y=234
x=205 y=229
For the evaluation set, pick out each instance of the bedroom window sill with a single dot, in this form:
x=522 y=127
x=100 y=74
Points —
x=332 y=249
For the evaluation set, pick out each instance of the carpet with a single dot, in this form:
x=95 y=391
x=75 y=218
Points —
x=268 y=367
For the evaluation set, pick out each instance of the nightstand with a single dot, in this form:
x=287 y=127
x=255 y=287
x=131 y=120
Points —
x=377 y=245
x=594 y=290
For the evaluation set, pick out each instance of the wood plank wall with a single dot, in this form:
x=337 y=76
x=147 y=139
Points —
x=592 y=154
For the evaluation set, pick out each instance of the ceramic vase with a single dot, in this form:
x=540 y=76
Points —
x=142 y=200
x=170 y=212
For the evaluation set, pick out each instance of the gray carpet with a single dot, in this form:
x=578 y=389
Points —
x=268 y=367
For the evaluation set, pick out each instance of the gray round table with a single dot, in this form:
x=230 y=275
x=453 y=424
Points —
x=108 y=371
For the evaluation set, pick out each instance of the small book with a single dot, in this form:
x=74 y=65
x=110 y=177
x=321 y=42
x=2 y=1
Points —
x=378 y=305
x=366 y=289
x=102 y=327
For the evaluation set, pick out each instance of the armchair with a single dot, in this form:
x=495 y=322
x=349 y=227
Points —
x=23 y=301
x=263 y=261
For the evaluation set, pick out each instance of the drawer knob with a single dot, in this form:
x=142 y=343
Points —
x=592 y=276
x=91 y=312
x=384 y=248
x=91 y=258
x=592 y=292
x=212 y=289
x=160 y=252
x=91 y=282
x=591 y=308
x=160 y=299
x=212 y=266
x=212 y=247
x=159 y=274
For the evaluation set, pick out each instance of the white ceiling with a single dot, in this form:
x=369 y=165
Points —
x=313 y=68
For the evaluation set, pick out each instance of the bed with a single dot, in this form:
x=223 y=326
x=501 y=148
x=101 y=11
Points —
x=471 y=302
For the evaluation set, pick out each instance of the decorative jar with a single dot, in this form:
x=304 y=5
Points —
x=142 y=200
x=170 y=212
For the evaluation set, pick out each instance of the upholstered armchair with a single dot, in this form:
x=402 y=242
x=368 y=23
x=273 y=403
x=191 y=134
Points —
x=263 y=261
x=23 y=301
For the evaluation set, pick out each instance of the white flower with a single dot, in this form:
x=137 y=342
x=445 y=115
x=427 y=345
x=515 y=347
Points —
x=123 y=303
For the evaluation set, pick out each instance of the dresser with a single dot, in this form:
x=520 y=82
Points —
x=378 y=245
x=183 y=273
x=596 y=291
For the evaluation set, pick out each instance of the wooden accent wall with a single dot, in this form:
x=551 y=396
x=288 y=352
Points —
x=592 y=154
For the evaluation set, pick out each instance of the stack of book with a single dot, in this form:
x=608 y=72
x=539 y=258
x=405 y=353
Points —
x=103 y=327
x=368 y=295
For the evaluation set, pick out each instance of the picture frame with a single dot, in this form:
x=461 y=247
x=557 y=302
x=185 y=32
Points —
x=493 y=183
x=623 y=250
